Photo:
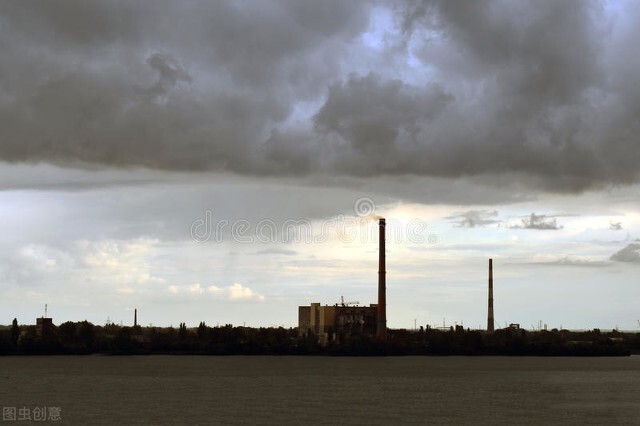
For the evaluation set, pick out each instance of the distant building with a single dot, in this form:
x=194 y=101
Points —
x=44 y=326
x=336 y=322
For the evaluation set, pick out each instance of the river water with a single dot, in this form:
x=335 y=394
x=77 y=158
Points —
x=201 y=390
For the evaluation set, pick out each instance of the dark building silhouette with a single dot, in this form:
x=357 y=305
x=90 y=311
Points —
x=44 y=326
x=15 y=332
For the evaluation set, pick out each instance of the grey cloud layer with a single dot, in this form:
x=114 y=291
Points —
x=630 y=254
x=539 y=222
x=474 y=218
x=544 y=91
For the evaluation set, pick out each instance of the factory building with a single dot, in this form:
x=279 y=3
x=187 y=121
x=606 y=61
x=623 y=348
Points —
x=336 y=322
x=44 y=326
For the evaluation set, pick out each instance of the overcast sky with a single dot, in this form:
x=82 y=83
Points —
x=225 y=161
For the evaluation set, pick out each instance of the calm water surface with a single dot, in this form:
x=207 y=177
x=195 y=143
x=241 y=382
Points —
x=159 y=390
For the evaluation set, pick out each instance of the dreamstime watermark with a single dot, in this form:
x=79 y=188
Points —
x=364 y=207
x=362 y=227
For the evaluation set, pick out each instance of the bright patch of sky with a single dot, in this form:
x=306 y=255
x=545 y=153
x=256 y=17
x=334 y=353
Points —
x=436 y=257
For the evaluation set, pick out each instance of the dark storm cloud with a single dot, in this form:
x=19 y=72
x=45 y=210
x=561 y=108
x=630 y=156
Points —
x=536 y=69
x=161 y=84
x=375 y=116
x=170 y=72
x=534 y=90
x=629 y=254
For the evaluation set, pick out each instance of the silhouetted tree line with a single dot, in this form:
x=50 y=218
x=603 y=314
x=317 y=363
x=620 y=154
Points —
x=86 y=338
